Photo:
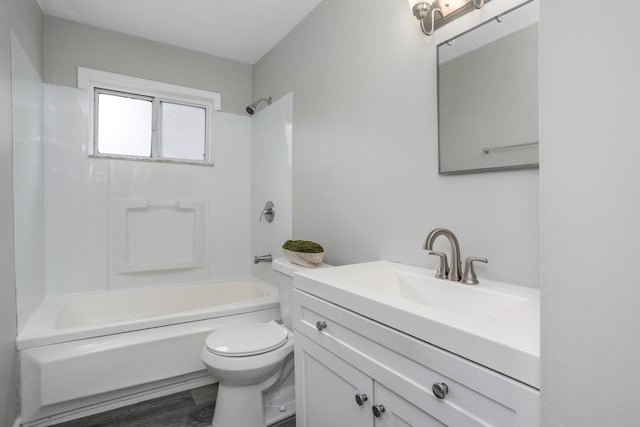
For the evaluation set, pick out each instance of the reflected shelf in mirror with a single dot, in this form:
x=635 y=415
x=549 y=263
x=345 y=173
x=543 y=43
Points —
x=489 y=150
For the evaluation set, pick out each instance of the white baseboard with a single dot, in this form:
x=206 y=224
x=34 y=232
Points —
x=17 y=422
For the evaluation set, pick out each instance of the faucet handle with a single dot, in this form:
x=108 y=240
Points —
x=269 y=212
x=469 y=276
x=443 y=266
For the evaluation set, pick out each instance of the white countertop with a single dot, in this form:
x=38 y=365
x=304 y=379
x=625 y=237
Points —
x=503 y=336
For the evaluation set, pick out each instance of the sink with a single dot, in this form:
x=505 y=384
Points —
x=456 y=299
x=495 y=324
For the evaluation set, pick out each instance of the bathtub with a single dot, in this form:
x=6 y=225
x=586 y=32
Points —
x=87 y=353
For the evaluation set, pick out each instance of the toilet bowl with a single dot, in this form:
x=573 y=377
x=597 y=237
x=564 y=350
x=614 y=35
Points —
x=248 y=360
x=253 y=363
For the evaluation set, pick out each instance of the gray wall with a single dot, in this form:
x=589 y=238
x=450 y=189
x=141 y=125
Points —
x=590 y=213
x=68 y=45
x=365 y=169
x=25 y=18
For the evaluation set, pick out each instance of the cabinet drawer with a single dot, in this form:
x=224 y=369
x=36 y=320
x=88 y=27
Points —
x=476 y=395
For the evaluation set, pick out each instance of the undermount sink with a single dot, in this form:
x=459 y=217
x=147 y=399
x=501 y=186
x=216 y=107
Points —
x=436 y=294
x=493 y=323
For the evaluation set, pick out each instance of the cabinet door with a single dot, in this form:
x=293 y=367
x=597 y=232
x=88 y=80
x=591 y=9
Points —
x=326 y=389
x=398 y=412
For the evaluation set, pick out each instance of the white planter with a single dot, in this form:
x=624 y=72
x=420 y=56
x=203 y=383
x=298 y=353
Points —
x=304 y=259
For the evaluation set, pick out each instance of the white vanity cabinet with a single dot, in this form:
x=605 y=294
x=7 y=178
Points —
x=341 y=357
x=327 y=388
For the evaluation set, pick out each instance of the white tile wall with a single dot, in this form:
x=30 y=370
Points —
x=82 y=195
x=230 y=187
x=271 y=169
x=27 y=182
x=76 y=189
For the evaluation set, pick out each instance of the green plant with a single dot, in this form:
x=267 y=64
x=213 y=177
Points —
x=303 y=246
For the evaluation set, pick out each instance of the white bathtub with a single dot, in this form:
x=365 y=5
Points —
x=87 y=353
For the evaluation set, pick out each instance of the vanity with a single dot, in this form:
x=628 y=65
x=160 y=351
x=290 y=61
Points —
x=386 y=344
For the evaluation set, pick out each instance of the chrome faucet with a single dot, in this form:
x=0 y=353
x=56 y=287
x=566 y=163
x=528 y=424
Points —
x=262 y=258
x=444 y=271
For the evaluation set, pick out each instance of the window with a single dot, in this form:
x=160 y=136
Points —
x=145 y=120
x=183 y=131
x=124 y=124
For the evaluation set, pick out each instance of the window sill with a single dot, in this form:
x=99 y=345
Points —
x=150 y=160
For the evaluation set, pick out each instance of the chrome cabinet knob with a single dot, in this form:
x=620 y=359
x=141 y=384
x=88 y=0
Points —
x=440 y=390
x=320 y=325
x=361 y=398
x=377 y=410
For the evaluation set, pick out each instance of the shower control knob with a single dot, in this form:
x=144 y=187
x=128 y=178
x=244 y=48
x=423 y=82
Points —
x=321 y=324
x=269 y=212
x=361 y=398
x=440 y=390
x=377 y=410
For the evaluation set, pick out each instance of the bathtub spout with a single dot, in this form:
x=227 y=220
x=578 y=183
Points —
x=262 y=258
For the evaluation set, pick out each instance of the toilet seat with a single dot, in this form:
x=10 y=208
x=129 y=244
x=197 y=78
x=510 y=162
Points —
x=247 y=340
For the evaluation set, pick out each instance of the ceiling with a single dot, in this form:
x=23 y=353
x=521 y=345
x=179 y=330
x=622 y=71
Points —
x=243 y=30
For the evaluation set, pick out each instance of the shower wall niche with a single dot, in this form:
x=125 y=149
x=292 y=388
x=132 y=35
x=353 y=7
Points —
x=148 y=235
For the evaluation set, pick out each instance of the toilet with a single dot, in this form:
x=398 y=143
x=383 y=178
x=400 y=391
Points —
x=254 y=364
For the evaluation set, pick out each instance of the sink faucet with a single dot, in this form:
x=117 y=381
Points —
x=452 y=273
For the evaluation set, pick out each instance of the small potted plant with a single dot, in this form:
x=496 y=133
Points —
x=303 y=252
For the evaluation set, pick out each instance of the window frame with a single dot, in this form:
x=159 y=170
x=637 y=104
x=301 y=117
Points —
x=96 y=113
x=96 y=81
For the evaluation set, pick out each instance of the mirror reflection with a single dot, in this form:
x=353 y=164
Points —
x=488 y=95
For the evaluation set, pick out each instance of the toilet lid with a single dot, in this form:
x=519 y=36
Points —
x=247 y=339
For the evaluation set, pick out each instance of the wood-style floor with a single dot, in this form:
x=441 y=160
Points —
x=192 y=408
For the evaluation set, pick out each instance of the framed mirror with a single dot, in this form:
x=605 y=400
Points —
x=488 y=95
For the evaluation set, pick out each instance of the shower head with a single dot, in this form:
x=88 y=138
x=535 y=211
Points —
x=251 y=109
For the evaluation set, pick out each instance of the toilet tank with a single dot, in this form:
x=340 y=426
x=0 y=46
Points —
x=284 y=279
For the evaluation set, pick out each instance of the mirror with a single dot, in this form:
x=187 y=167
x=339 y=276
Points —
x=488 y=95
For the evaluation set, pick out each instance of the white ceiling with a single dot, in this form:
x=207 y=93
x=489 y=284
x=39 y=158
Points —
x=243 y=30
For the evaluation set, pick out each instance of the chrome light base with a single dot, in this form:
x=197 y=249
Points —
x=434 y=14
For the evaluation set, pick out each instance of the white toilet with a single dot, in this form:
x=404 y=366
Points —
x=254 y=364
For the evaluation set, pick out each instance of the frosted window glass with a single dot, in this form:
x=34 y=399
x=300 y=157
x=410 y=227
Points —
x=183 y=132
x=124 y=125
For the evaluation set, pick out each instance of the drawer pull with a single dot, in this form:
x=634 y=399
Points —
x=361 y=398
x=377 y=410
x=321 y=324
x=440 y=390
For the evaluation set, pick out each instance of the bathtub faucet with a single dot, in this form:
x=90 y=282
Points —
x=262 y=258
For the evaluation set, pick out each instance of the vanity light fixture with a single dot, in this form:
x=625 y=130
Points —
x=433 y=14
